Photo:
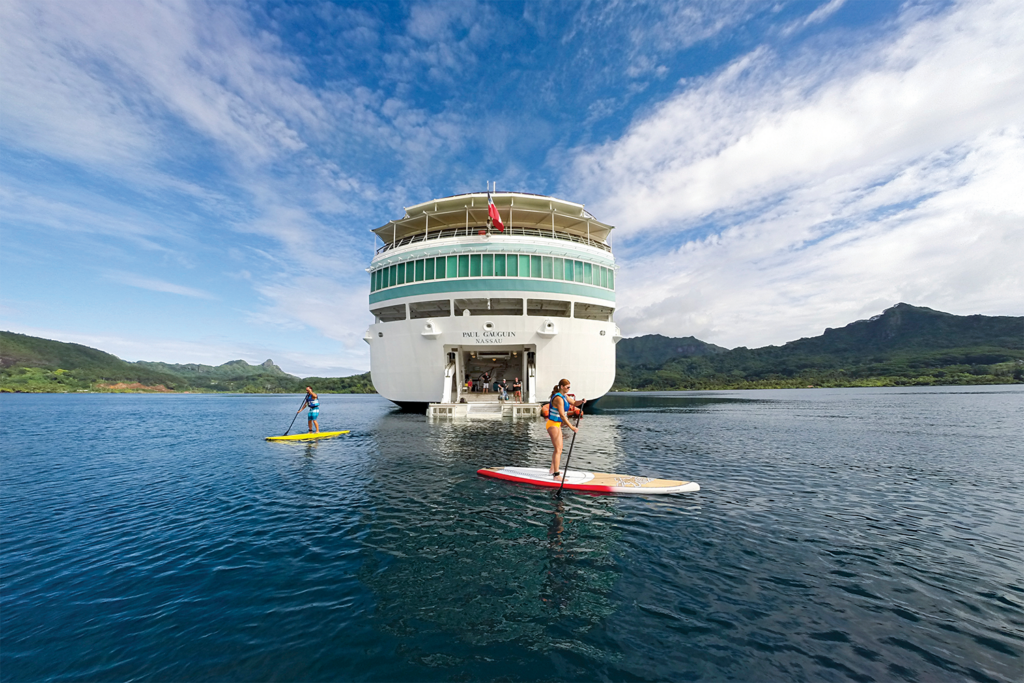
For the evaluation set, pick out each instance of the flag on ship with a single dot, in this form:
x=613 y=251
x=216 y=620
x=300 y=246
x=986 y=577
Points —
x=492 y=213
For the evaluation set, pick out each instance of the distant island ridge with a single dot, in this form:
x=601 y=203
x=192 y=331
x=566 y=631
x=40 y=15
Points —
x=31 y=364
x=903 y=346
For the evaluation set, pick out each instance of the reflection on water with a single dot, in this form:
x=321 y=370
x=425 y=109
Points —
x=486 y=563
x=659 y=401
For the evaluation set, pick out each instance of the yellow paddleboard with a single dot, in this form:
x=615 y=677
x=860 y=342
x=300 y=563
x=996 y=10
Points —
x=306 y=437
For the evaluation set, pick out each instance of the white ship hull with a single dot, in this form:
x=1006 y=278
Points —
x=444 y=325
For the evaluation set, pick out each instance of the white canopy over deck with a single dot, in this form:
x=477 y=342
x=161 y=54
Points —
x=517 y=210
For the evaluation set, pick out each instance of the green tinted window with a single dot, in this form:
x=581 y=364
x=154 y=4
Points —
x=546 y=267
x=487 y=265
x=419 y=271
x=588 y=273
x=401 y=273
x=512 y=267
x=428 y=269
x=611 y=279
x=578 y=268
x=499 y=265
x=535 y=266
x=464 y=265
x=453 y=266
x=392 y=276
x=524 y=266
x=439 y=268
x=373 y=281
x=474 y=265
x=568 y=270
x=602 y=273
x=558 y=268
x=410 y=271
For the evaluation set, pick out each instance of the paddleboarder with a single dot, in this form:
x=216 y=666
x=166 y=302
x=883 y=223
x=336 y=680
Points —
x=556 y=419
x=313 y=403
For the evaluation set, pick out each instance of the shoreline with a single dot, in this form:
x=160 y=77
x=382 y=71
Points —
x=614 y=390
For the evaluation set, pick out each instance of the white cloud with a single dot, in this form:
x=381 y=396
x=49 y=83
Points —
x=829 y=255
x=97 y=83
x=819 y=15
x=155 y=285
x=441 y=40
x=337 y=311
x=762 y=127
x=647 y=31
x=803 y=190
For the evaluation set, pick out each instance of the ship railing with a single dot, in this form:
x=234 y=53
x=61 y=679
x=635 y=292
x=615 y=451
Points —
x=445 y=233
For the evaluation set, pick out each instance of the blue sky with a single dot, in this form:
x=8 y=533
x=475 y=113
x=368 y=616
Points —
x=196 y=182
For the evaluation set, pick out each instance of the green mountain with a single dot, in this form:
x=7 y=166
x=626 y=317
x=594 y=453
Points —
x=231 y=369
x=910 y=328
x=654 y=349
x=235 y=375
x=905 y=345
x=31 y=364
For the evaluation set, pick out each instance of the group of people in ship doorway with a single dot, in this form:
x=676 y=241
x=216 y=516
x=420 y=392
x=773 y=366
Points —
x=504 y=388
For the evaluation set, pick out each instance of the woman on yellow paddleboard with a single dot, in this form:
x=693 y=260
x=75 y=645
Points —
x=313 y=403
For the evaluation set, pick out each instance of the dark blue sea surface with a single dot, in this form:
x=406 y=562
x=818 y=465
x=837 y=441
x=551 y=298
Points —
x=852 y=534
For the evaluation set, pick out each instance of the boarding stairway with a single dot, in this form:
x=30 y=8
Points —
x=459 y=405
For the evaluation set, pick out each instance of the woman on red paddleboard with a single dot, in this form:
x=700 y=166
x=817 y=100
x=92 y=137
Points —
x=557 y=418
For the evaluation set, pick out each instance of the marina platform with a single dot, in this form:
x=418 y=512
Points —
x=479 y=406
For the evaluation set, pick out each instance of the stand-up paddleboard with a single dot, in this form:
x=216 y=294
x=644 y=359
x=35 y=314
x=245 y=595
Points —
x=578 y=480
x=307 y=437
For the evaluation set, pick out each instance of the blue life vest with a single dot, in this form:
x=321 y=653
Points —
x=553 y=413
x=312 y=402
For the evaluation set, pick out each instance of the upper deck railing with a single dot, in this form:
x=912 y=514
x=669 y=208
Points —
x=444 y=233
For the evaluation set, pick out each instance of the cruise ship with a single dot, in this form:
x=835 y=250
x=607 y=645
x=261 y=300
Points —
x=459 y=289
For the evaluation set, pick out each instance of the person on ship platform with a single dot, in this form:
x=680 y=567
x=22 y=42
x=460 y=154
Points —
x=517 y=390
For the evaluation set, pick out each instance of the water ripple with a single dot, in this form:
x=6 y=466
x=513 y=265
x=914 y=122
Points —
x=850 y=534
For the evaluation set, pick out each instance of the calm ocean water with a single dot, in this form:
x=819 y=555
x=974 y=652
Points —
x=854 y=534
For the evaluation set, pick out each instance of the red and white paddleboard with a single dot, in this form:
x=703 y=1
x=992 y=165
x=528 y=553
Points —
x=578 y=480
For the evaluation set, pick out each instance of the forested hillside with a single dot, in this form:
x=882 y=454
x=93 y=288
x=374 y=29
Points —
x=905 y=345
x=654 y=349
x=32 y=364
x=35 y=364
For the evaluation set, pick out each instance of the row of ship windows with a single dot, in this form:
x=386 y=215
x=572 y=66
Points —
x=444 y=308
x=492 y=265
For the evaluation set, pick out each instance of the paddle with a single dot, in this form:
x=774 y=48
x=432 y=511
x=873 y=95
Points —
x=293 y=419
x=565 y=469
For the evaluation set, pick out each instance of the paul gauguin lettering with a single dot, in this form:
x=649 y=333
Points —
x=482 y=336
